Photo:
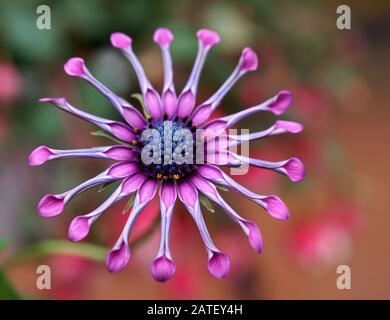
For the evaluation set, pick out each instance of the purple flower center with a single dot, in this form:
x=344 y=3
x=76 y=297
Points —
x=167 y=149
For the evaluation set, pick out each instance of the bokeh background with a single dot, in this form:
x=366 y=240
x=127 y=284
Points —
x=341 y=91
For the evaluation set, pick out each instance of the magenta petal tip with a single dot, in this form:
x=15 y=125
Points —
x=276 y=208
x=118 y=259
x=250 y=61
x=50 y=206
x=254 y=236
x=208 y=37
x=289 y=126
x=295 y=169
x=120 y=40
x=39 y=156
x=78 y=229
x=75 y=67
x=163 y=269
x=281 y=103
x=163 y=36
x=219 y=265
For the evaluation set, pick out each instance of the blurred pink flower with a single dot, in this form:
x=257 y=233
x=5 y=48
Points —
x=11 y=82
x=325 y=240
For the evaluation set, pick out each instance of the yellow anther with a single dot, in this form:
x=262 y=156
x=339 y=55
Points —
x=165 y=177
x=159 y=175
x=137 y=130
x=134 y=142
x=149 y=117
x=176 y=176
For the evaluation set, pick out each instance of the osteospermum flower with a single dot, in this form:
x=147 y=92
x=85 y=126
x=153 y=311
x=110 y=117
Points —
x=185 y=179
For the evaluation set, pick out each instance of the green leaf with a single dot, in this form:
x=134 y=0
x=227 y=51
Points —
x=7 y=291
x=101 y=133
x=49 y=247
x=206 y=203
x=221 y=187
x=141 y=100
x=129 y=204
x=105 y=185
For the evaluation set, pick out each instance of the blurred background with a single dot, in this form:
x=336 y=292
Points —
x=339 y=213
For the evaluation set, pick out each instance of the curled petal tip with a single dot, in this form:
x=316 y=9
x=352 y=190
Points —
x=281 y=103
x=295 y=169
x=163 y=36
x=163 y=269
x=219 y=265
x=276 y=208
x=208 y=37
x=120 y=40
x=50 y=206
x=289 y=126
x=78 y=229
x=250 y=61
x=117 y=259
x=75 y=67
x=254 y=236
x=60 y=100
x=39 y=156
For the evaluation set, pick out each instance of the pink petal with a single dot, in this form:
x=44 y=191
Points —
x=120 y=40
x=210 y=172
x=120 y=153
x=295 y=169
x=169 y=102
x=133 y=117
x=219 y=265
x=208 y=37
x=185 y=104
x=168 y=194
x=250 y=60
x=39 y=156
x=255 y=237
x=187 y=193
x=289 y=126
x=163 y=36
x=118 y=259
x=50 y=206
x=201 y=114
x=276 y=208
x=153 y=103
x=122 y=170
x=122 y=132
x=133 y=183
x=163 y=269
x=281 y=103
x=78 y=228
x=75 y=67
x=148 y=190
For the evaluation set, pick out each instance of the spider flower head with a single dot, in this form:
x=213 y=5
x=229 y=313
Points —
x=157 y=152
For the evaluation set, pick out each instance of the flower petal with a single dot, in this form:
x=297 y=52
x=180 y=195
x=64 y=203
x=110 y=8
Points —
x=163 y=269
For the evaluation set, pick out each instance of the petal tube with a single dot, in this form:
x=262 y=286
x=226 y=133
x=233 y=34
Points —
x=53 y=204
x=249 y=227
x=219 y=263
x=76 y=67
x=119 y=256
x=117 y=129
x=248 y=62
x=43 y=154
x=273 y=204
x=151 y=97
x=186 y=102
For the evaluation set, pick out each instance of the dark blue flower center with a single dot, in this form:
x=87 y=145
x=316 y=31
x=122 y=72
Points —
x=167 y=150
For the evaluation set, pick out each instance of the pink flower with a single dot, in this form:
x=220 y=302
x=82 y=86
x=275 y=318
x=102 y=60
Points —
x=184 y=179
x=11 y=82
